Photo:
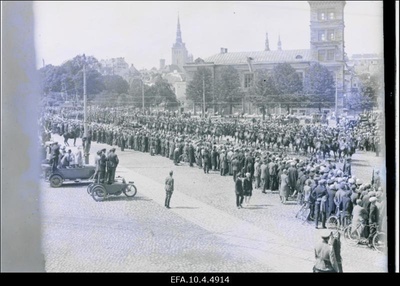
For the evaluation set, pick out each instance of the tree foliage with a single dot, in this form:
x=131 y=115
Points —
x=115 y=84
x=194 y=90
x=227 y=87
x=286 y=80
x=319 y=86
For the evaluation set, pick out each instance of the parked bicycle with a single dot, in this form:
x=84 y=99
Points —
x=335 y=221
x=379 y=238
x=304 y=212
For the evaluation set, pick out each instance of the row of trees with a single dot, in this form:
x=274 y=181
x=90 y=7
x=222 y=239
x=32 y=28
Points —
x=106 y=90
x=280 y=86
x=266 y=89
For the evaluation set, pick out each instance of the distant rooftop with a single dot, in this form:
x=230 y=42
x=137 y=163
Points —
x=365 y=56
x=260 y=57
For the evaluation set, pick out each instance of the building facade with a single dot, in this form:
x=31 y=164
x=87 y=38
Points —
x=326 y=47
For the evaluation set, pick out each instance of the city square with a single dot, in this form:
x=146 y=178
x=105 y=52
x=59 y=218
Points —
x=236 y=150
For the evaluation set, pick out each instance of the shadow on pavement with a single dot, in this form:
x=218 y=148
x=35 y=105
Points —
x=184 y=207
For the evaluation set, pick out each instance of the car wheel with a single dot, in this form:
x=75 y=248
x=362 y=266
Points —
x=56 y=181
x=99 y=193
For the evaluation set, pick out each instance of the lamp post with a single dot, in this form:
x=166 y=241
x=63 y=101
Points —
x=336 y=96
x=85 y=126
x=142 y=95
x=204 y=98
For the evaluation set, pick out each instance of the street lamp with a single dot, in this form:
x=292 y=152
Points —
x=85 y=127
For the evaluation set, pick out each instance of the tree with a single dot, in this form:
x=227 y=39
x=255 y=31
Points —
x=319 y=86
x=370 y=87
x=115 y=84
x=263 y=90
x=135 y=91
x=164 y=93
x=194 y=90
x=287 y=83
x=227 y=87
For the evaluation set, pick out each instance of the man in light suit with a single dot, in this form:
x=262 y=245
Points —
x=169 y=189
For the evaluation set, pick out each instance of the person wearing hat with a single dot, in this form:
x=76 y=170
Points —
x=78 y=157
x=293 y=176
x=239 y=191
x=247 y=188
x=319 y=195
x=273 y=174
x=347 y=167
x=55 y=155
x=102 y=161
x=265 y=176
x=112 y=163
x=326 y=261
x=257 y=173
x=169 y=189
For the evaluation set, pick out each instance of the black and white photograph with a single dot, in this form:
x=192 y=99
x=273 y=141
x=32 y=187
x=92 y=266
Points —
x=196 y=137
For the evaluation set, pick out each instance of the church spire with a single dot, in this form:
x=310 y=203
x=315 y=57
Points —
x=178 y=32
x=266 y=42
x=279 y=43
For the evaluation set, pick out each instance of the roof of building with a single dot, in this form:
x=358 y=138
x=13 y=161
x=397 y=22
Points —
x=260 y=57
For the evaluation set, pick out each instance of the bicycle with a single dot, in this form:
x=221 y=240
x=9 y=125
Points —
x=379 y=239
x=334 y=221
x=304 y=212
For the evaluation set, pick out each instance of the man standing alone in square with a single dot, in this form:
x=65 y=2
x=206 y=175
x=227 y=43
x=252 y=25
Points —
x=169 y=189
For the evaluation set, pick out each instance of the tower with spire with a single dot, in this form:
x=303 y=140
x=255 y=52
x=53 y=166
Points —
x=279 y=43
x=266 y=43
x=179 y=51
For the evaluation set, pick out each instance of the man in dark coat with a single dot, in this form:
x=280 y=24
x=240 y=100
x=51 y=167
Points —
x=293 y=175
x=55 y=155
x=319 y=195
x=239 y=192
x=206 y=161
x=235 y=167
x=102 y=165
x=112 y=163
x=191 y=155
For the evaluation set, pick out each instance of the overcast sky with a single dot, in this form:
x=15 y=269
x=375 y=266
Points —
x=143 y=32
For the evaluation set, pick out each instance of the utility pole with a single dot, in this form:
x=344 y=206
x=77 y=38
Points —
x=336 y=96
x=85 y=127
x=142 y=96
x=204 y=98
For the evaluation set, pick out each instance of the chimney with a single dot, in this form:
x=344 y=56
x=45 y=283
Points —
x=224 y=51
x=162 y=64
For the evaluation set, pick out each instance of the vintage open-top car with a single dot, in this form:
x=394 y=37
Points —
x=74 y=174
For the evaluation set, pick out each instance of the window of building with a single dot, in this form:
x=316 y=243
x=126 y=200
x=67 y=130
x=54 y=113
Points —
x=330 y=55
x=298 y=57
x=321 y=35
x=331 y=35
x=321 y=55
x=300 y=75
x=248 y=80
x=331 y=15
x=321 y=16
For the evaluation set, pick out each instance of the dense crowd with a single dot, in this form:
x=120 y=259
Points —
x=278 y=154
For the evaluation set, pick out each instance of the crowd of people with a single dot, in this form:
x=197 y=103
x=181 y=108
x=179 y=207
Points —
x=309 y=162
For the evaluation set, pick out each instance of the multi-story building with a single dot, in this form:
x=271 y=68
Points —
x=326 y=47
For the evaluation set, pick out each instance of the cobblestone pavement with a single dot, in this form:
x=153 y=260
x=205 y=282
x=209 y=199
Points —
x=202 y=232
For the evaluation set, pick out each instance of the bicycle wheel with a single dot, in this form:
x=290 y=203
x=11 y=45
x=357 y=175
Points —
x=332 y=222
x=379 y=241
x=352 y=234
x=299 y=214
